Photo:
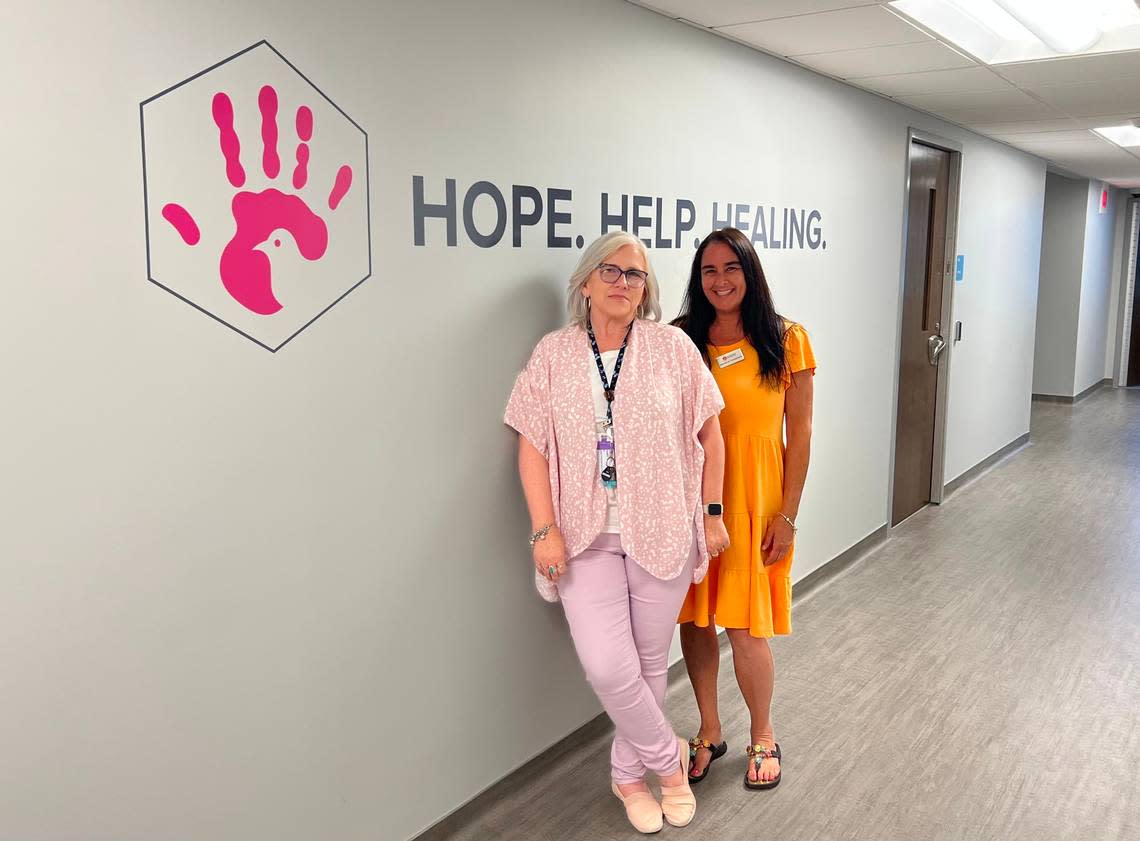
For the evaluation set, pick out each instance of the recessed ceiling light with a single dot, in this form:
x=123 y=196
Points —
x=1000 y=31
x=1120 y=135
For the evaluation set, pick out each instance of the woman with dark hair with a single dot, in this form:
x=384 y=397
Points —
x=763 y=366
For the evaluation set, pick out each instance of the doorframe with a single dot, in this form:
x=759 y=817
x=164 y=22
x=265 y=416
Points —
x=1127 y=292
x=942 y=388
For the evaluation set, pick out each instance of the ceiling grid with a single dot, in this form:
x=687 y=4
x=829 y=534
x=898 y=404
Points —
x=1046 y=106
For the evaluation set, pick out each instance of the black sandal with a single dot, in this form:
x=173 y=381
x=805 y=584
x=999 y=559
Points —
x=758 y=754
x=695 y=744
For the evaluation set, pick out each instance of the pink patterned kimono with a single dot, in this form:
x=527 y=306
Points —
x=664 y=396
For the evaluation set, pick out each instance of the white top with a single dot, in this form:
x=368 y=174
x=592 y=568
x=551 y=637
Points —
x=609 y=359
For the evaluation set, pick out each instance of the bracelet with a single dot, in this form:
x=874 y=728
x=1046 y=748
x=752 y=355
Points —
x=540 y=534
x=787 y=519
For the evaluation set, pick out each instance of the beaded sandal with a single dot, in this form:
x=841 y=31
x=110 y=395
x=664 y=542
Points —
x=697 y=743
x=758 y=753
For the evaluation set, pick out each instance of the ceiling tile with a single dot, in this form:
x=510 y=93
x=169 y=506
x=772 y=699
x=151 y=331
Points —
x=1088 y=146
x=991 y=114
x=725 y=12
x=1073 y=70
x=858 y=28
x=1023 y=126
x=1042 y=136
x=1105 y=120
x=1010 y=97
x=981 y=106
x=881 y=61
x=1110 y=96
x=965 y=79
x=1094 y=160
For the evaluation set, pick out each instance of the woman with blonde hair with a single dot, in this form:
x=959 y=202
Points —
x=618 y=442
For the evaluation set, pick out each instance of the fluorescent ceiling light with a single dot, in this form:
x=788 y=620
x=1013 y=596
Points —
x=1066 y=27
x=1120 y=135
x=999 y=31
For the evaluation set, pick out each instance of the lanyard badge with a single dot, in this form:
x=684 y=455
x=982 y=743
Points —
x=607 y=465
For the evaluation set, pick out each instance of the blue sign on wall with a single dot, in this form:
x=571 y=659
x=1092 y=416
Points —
x=960 y=267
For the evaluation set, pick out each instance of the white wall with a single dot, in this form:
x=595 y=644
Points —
x=252 y=595
x=991 y=369
x=1096 y=290
x=1058 y=303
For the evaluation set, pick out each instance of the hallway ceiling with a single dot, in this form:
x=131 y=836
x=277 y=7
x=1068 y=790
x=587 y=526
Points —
x=1046 y=107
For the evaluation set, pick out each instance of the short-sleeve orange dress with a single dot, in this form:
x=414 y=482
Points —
x=739 y=591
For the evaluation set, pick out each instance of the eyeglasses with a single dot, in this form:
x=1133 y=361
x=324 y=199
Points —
x=634 y=278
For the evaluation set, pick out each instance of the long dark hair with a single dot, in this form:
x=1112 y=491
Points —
x=763 y=326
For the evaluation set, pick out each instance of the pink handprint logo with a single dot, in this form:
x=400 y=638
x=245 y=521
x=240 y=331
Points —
x=228 y=199
x=246 y=272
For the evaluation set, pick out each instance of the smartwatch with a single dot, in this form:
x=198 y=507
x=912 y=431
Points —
x=714 y=509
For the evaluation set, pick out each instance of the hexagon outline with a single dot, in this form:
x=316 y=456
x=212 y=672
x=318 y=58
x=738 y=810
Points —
x=146 y=196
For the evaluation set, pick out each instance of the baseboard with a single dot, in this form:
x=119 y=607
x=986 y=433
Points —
x=1061 y=398
x=984 y=465
x=817 y=578
x=469 y=812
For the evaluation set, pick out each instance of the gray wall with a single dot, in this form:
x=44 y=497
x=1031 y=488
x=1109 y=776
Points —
x=1080 y=284
x=250 y=595
x=1059 y=298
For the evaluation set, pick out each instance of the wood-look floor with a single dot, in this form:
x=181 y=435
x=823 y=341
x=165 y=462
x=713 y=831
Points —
x=977 y=677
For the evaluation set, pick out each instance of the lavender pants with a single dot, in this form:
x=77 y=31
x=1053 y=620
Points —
x=622 y=619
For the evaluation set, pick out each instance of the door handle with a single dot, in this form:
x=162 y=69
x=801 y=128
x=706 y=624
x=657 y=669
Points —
x=934 y=346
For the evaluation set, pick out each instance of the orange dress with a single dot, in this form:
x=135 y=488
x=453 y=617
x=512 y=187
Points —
x=739 y=591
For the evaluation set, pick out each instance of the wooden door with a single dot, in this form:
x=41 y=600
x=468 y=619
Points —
x=926 y=266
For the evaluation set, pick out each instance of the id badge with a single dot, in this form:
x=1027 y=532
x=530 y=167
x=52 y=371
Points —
x=607 y=466
x=730 y=358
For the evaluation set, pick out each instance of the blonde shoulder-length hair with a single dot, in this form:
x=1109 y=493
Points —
x=597 y=252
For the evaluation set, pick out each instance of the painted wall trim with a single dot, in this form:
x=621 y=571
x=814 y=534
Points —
x=1069 y=400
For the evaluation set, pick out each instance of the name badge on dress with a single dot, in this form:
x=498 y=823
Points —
x=730 y=358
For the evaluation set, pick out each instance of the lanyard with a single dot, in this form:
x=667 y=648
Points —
x=608 y=387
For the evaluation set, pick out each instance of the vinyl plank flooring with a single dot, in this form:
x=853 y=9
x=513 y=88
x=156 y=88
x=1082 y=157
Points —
x=978 y=676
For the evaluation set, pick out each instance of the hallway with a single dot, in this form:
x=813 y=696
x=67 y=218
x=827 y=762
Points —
x=976 y=677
